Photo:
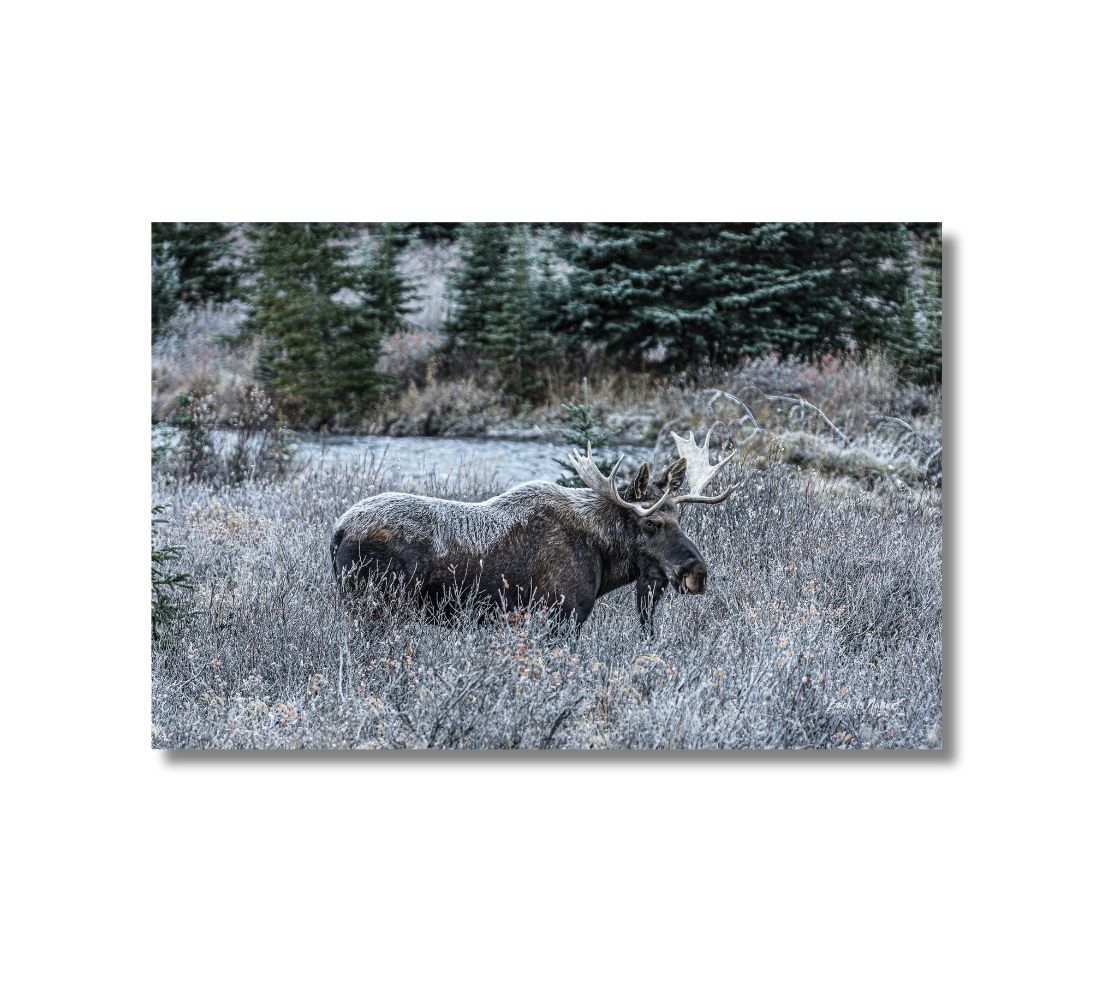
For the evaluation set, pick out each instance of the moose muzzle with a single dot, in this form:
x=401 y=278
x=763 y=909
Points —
x=694 y=577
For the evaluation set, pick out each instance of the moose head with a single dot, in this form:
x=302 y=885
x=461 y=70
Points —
x=662 y=553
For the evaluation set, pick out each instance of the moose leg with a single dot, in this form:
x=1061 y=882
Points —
x=648 y=592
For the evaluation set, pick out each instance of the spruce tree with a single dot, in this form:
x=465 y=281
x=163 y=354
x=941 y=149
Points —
x=384 y=292
x=352 y=358
x=583 y=431
x=931 y=260
x=168 y=583
x=874 y=277
x=515 y=346
x=620 y=286
x=683 y=294
x=382 y=304
x=204 y=254
x=165 y=288
x=319 y=356
x=550 y=289
x=664 y=293
x=431 y=232
x=915 y=342
x=478 y=288
x=777 y=297
x=785 y=288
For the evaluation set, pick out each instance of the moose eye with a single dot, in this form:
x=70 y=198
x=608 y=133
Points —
x=649 y=527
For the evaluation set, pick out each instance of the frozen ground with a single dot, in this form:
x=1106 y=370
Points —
x=822 y=629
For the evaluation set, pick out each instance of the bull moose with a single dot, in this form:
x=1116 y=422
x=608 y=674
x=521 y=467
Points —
x=539 y=541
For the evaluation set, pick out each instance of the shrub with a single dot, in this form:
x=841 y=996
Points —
x=253 y=443
x=821 y=628
x=167 y=584
x=202 y=353
x=455 y=407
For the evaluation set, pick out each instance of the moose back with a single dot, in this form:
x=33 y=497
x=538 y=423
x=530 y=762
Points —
x=538 y=542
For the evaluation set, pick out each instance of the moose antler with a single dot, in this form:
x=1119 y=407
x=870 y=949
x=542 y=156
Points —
x=606 y=487
x=698 y=472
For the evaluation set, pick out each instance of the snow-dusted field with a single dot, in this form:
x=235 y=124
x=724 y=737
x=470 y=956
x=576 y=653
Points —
x=821 y=629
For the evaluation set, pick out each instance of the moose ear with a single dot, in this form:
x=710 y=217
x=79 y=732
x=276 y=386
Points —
x=641 y=482
x=672 y=477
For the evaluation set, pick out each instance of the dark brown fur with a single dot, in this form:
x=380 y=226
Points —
x=536 y=542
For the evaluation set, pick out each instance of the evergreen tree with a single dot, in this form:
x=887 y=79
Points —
x=353 y=354
x=626 y=292
x=689 y=293
x=931 y=259
x=319 y=355
x=931 y=366
x=813 y=287
x=652 y=292
x=204 y=255
x=514 y=344
x=915 y=344
x=777 y=291
x=583 y=431
x=478 y=287
x=352 y=357
x=384 y=292
x=431 y=232
x=550 y=290
x=165 y=288
x=167 y=582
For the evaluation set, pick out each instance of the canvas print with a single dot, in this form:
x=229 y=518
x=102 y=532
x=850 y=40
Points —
x=551 y=486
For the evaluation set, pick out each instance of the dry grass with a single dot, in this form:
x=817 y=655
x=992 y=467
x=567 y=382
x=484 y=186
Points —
x=849 y=416
x=199 y=357
x=455 y=408
x=822 y=629
x=844 y=415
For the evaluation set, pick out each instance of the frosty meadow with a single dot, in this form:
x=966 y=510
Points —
x=792 y=557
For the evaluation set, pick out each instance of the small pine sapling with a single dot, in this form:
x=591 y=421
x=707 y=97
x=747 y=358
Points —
x=166 y=583
x=583 y=430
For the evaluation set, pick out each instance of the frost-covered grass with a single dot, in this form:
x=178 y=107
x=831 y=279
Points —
x=200 y=356
x=848 y=415
x=821 y=629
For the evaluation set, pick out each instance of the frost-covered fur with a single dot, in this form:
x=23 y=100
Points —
x=537 y=541
x=472 y=528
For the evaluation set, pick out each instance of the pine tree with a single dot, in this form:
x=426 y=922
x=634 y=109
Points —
x=431 y=232
x=384 y=292
x=683 y=294
x=550 y=289
x=778 y=296
x=515 y=345
x=915 y=342
x=165 y=288
x=873 y=277
x=167 y=583
x=583 y=431
x=620 y=283
x=204 y=255
x=478 y=287
x=931 y=260
x=651 y=292
x=319 y=355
